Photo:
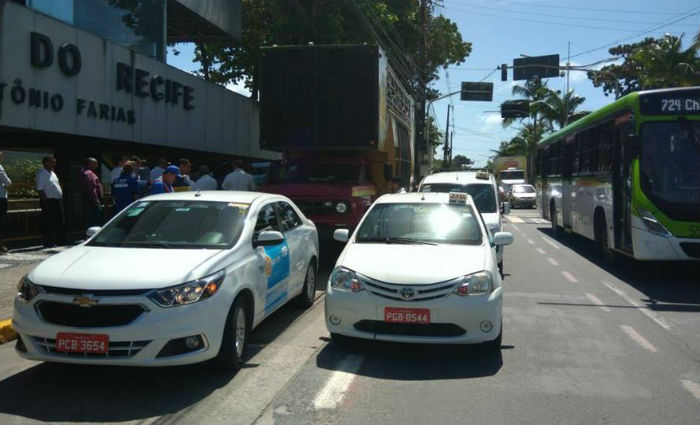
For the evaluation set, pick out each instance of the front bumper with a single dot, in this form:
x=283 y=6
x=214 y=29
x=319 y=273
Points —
x=137 y=343
x=523 y=202
x=650 y=246
x=467 y=313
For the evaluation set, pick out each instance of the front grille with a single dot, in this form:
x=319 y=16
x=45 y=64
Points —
x=116 y=348
x=691 y=249
x=317 y=207
x=393 y=291
x=433 y=329
x=88 y=317
x=99 y=292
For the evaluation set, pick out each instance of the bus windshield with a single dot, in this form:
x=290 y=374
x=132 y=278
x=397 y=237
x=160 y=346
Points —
x=512 y=175
x=325 y=172
x=670 y=155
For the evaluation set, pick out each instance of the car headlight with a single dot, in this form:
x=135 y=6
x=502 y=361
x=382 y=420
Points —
x=653 y=225
x=344 y=279
x=341 y=207
x=27 y=290
x=475 y=284
x=190 y=292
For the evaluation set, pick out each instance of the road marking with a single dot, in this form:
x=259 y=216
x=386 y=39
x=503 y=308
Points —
x=514 y=219
x=530 y=241
x=550 y=242
x=638 y=338
x=541 y=251
x=640 y=307
x=337 y=385
x=515 y=227
x=552 y=262
x=595 y=300
x=692 y=387
x=569 y=277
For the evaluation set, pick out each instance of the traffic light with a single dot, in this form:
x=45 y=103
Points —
x=504 y=72
x=515 y=109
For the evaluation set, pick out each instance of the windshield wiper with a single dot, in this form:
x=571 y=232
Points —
x=406 y=241
x=148 y=244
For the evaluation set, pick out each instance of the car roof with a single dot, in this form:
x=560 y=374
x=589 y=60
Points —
x=212 y=195
x=417 y=197
x=456 y=177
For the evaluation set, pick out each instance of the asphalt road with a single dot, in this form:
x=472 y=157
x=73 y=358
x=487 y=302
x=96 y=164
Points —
x=582 y=343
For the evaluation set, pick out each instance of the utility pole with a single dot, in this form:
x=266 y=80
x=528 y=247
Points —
x=568 y=66
x=421 y=141
x=452 y=140
x=446 y=147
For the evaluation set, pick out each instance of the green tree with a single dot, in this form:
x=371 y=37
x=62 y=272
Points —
x=461 y=161
x=649 y=64
x=560 y=110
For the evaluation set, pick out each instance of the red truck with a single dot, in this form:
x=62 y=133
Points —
x=344 y=125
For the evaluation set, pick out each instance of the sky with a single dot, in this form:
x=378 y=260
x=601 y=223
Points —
x=501 y=30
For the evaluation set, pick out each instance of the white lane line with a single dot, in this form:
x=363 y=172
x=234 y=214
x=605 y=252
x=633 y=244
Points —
x=552 y=261
x=569 y=277
x=337 y=385
x=643 y=342
x=595 y=300
x=540 y=221
x=541 y=251
x=515 y=227
x=555 y=246
x=530 y=241
x=640 y=307
x=692 y=387
x=514 y=219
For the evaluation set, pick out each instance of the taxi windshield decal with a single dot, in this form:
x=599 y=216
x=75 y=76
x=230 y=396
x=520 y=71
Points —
x=458 y=198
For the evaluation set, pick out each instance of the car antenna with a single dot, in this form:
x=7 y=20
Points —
x=198 y=194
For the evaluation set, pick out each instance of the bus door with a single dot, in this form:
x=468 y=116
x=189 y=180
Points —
x=623 y=154
x=570 y=155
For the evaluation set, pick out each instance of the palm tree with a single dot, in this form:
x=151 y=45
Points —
x=535 y=91
x=561 y=110
x=666 y=64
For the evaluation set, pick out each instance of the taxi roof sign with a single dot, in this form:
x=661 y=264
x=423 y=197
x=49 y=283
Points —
x=482 y=175
x=458 y=198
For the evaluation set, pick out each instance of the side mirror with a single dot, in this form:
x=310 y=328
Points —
x=506 y=208
x=90 y=232
x=268 y=238
x=388 y=172
x=502 y=238
x=341 y=235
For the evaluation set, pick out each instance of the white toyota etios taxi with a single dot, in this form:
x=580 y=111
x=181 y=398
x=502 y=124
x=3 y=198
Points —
x=420 y=267
x=174 y=279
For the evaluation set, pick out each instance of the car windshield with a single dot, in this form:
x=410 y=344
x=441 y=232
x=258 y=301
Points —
x=420 y=223
x=325 y=172
x=523 y=188
x=175 y=224
x=669 y=161
x=513 y=175
x=483 y=194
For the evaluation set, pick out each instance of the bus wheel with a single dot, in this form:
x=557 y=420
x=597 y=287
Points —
x=553 y=219
x=601 y=238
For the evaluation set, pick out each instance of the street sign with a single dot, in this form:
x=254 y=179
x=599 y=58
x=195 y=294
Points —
x=515 y=109
x=477 y=91
x=536 y=67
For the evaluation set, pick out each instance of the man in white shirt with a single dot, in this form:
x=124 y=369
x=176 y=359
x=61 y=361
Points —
x=238 y=179
x=117 y=171
x=5 y=182
x=51 y=201
x=206 y=181
x=157 y=171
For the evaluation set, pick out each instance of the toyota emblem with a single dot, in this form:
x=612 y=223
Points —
x=407 y=293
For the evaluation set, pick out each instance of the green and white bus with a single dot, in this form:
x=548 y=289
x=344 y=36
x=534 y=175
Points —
x=628 y=176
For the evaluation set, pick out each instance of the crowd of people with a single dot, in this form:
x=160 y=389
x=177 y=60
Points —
x=129 y=180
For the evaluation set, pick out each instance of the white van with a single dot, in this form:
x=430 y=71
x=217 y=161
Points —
x=482 y=187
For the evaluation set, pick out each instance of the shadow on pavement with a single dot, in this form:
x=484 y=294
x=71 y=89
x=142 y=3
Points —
x=413 y=362
x=669 y=286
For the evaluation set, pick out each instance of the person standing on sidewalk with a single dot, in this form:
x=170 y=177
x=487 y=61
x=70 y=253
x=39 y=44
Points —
x=238 y=179
x=91 y=191
x=5 y=182
x=164 y=183
x=183 y=183
x=51 y=201
x=125 y=188
x=205 y=180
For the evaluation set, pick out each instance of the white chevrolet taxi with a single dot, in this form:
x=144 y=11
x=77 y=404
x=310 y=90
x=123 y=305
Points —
x=484 y=191
x=174 y=279
x=420 y=267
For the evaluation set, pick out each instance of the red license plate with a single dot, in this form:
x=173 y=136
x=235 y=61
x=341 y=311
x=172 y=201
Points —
x=420 y=316
x=82 y=343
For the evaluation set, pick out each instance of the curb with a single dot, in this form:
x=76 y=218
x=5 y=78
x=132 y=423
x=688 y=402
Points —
x=7 y=334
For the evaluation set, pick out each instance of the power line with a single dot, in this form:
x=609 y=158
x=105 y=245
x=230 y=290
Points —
x=591 y=9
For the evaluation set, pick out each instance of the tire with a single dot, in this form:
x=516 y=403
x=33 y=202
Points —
x=230 y=357
x=308 y=291
x=553 y=219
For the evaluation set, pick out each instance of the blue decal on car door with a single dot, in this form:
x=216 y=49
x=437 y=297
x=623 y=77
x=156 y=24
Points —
x=278 y=265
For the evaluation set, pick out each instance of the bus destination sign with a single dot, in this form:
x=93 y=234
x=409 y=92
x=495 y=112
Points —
x=686 y=102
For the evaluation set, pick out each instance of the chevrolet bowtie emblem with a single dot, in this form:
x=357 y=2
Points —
x=86 y=300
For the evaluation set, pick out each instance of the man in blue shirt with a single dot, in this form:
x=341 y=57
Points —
x=164 y=183
x=125 y=188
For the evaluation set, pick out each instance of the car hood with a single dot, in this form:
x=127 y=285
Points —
x=413 y=264
x=89 y=267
